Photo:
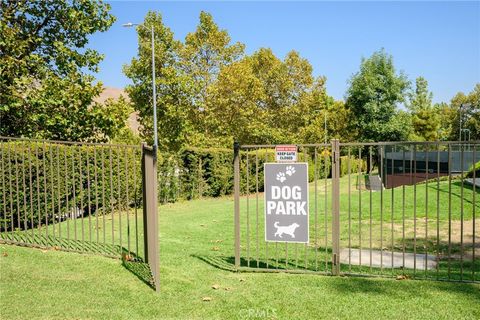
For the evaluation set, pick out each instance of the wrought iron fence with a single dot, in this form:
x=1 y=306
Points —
x=404 y=209
x=72 y=196
x=82 y=197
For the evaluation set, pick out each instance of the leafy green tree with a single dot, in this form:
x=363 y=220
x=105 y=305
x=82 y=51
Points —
x=318 y=107
x=262 y=99
x=45 y=90
x=236 y=99
x=466 y=107
x=173 y=92
x=372 y=98
x=445 y=114
x=184 y=74
x=425 y=118
x=204 y=53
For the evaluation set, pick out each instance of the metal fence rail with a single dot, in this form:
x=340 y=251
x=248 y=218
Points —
x=400 y=209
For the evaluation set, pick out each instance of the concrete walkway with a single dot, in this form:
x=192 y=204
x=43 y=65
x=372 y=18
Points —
x=374 y=183
x=387 y=259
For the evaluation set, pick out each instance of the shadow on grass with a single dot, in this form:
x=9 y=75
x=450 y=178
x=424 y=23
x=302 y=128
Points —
x=457 y=194
x=140 y=269
x=466 y=185
x=227 y=263
x=25 y=238
x=365 y=285
x=443 y=247
x=219 y=262
x=130 y=260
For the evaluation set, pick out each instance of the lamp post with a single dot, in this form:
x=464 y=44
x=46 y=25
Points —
x=325 y=120
x=460 y=118
x=154 y=90
x=465 y=136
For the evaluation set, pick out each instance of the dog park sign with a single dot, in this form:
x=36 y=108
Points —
x=286 y=202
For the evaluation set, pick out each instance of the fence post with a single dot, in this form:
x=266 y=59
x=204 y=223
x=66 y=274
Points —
x=336 y=207
x=150 y=212
x=236 y=169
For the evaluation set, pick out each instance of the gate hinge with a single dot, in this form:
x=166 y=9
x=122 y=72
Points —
x=335 y=156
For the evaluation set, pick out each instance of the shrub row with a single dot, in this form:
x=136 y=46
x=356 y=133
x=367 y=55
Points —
x=355 y=164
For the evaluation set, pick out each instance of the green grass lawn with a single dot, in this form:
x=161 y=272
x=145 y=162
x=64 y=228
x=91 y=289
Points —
x=196 y=250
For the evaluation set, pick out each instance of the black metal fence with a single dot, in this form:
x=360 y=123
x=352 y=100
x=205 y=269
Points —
x=400 y=209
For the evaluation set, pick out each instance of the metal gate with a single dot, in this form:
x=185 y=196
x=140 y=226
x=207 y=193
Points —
x=401 y=209
x=81 y=197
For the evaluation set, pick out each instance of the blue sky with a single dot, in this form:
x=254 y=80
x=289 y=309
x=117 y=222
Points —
x=437 y=40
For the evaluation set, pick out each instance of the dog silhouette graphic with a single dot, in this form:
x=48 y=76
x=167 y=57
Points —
x=290 y=230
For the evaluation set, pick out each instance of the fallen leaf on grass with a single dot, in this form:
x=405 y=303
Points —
x=206 y=299
x=215 y=286
x=215 y=249
x=5 y=254
x=227 y=289
x=242 y=280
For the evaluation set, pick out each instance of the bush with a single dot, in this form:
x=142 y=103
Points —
x=355 y=165
x=206 y=172
x=45 y=181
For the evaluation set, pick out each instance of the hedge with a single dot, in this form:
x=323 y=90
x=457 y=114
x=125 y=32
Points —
x=355 y=165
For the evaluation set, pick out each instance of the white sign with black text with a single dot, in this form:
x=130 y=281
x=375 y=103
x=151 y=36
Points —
x=286 y=153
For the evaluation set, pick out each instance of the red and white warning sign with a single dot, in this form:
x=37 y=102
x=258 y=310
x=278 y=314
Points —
x=286 y=153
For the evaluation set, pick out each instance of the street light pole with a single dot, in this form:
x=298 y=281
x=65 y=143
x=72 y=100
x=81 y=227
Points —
x=154 y=89
x=325 y=120
x=460 y=121
x=155 y=133
x=460 y=117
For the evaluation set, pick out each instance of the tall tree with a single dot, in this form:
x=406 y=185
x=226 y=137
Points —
x=466 y=110
x=45 y=90
x=262 y=99
x=173 y=92
x=185 y=71
x=445 y=114
x=425 y=118
x=372 y=98
x=204 y=53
